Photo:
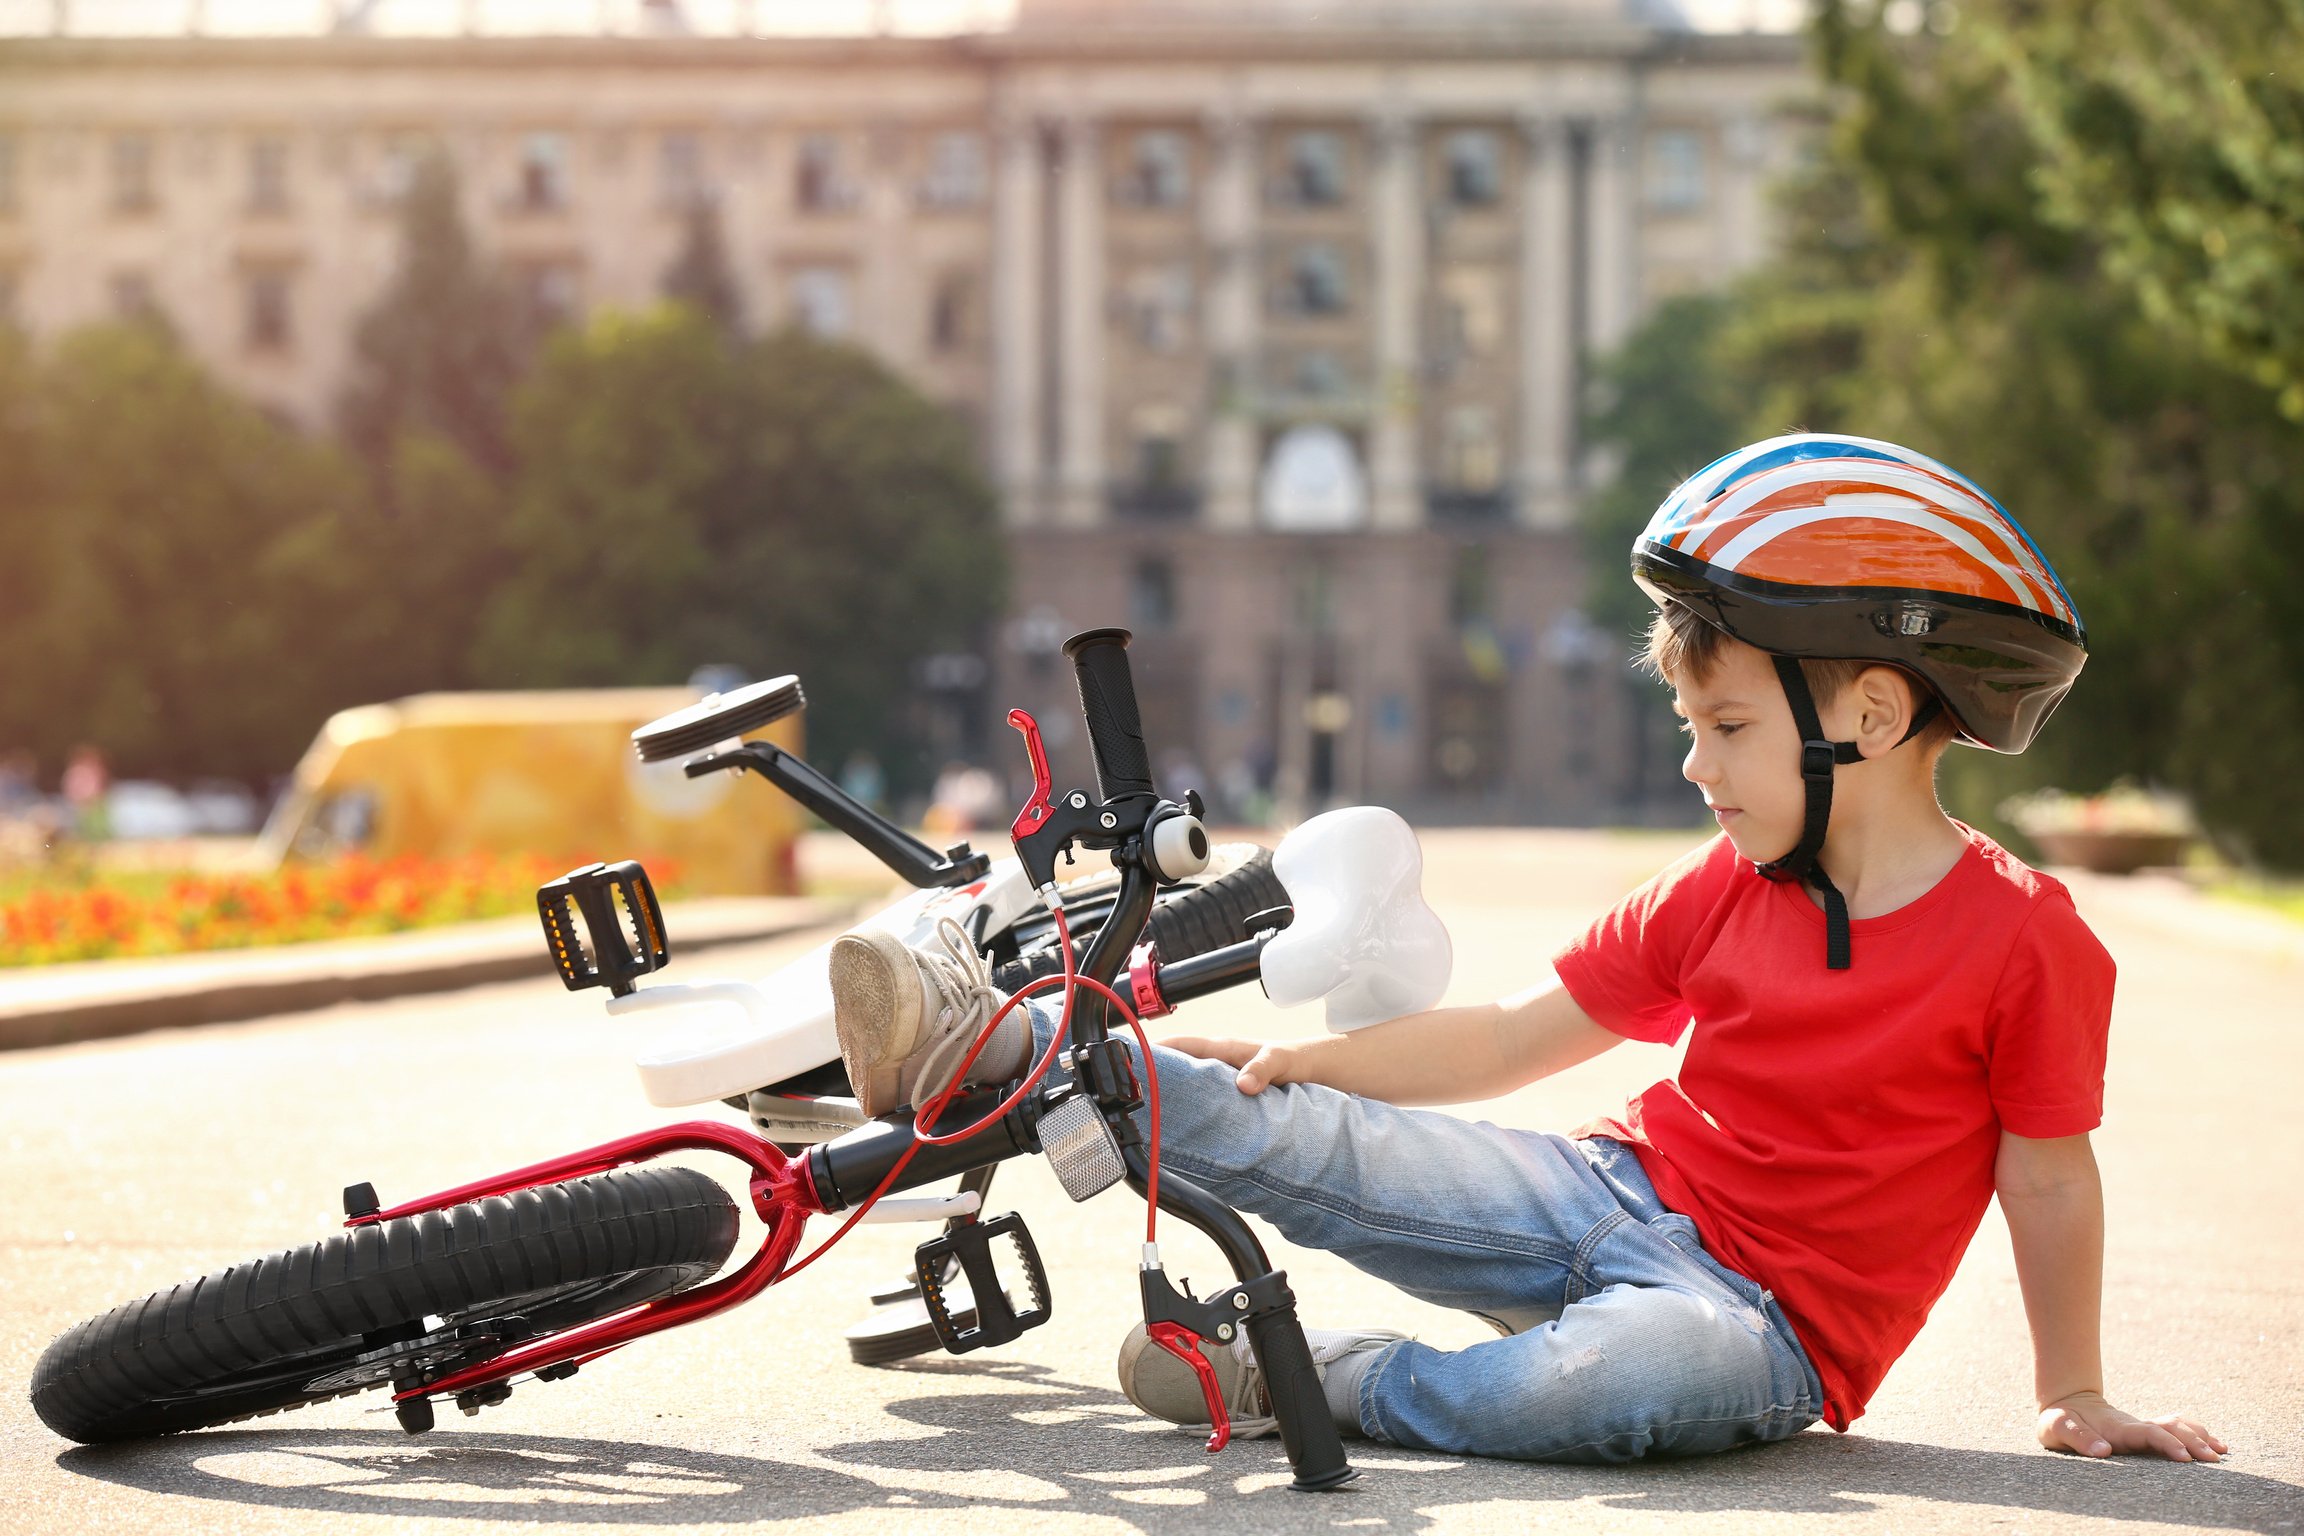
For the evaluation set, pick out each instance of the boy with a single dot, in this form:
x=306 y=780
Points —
x=1747 y=1247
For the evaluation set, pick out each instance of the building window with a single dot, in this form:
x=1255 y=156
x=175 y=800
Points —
x=1315 y=281
x=268 y=176
x=132 y=296
x=1475 y=168
x=1159 y=461
x=1152 y=594
x=395 y=171
x=132 y=186
x=267 y=322
x=1315 y=597
x=1158 y=305
x=952 y=313
x=1471 y=456
x=956 y=174
x=820 y=302
x=550 y=293
x=1470 y=594
x=1315 y=171
x=8 y=175
x=680 y=183
x=1156 y=487
x=1471 y=312
x=1159 y=173
x=1319 y=376
x=819 y=186
x=1676 y=170
x=543 y=184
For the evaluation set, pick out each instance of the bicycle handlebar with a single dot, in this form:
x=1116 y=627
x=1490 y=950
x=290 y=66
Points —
x=1108 y=704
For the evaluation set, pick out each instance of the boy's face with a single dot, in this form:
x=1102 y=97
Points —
x=1744 y=751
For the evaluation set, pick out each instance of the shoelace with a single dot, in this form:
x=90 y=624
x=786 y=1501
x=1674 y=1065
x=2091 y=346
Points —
x=963 y=982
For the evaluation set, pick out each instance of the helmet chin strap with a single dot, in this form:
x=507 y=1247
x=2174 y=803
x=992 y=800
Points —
x=1818 y=759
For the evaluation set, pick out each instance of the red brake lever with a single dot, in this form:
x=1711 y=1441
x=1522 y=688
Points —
x=1040 y=807
x=1184 y=1344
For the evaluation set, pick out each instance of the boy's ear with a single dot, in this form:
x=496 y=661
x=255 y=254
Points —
x=1886 y=702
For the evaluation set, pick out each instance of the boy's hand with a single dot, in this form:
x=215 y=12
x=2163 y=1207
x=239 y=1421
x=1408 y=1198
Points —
x=1261 y=1063
x=2086 y=1424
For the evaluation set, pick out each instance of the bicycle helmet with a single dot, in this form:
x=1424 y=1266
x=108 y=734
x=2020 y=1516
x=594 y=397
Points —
x=1830 y=546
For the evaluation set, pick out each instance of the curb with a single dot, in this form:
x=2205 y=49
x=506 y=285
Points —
x=66 y=1004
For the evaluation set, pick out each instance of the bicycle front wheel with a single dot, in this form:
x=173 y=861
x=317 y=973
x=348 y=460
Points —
x=429 y=1292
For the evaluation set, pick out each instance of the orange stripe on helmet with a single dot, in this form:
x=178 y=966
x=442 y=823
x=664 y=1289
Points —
x=1887 y=553
x=1860 y=551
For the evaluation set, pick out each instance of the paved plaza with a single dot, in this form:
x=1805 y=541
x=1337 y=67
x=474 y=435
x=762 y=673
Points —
x=133 y=1163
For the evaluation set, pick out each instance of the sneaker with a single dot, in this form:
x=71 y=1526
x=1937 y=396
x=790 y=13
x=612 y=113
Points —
x=907 y=1017
x=1166 y=1388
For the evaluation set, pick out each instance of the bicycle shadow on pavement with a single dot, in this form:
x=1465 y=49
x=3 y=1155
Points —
x=1043 y=1445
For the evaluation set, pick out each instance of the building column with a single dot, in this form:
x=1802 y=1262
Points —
x=1547 y=315
x=1740 y=196
x=1080 y=327
x=1615 y=257
x=1228 y=222
x=1016 y=382
x=1612 y=281
x=891 y=317
x=1398 y=231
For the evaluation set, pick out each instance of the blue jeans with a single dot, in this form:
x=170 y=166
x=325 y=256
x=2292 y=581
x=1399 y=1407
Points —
x=1626 y=1338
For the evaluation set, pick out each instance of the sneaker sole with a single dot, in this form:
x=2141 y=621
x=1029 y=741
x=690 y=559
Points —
x=876 y=1003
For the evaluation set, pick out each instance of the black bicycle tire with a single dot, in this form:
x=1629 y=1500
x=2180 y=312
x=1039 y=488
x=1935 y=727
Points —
x=165 y=1363
x=1193 y=921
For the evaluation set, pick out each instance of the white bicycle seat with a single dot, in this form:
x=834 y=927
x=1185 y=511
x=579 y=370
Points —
x=1362 y=936
x=720 y=1039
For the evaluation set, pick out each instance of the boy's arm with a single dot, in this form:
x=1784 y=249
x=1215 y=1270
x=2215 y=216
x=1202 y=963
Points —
x=2054 y=1202
x=1447 y=1056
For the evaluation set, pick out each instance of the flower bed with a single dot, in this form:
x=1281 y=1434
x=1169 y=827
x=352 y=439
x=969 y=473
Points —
x=163 y=912
x=2118 y=832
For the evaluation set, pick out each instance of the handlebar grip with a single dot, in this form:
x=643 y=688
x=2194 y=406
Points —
x=1315 y=1449
x=1108 y=703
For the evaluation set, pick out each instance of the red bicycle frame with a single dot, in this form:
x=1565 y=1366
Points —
x=781 y=1193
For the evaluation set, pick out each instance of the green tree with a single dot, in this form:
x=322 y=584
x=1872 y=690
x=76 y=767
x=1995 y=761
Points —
x=152 y=560
x=435 y=363
x=2172 y=135
x=700 y=274
x=2009 y=340
x=786 y=504
x=1937 y=288
x=443 y=347
x=1665 y=406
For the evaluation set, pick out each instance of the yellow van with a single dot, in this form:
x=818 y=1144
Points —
x=550 y=773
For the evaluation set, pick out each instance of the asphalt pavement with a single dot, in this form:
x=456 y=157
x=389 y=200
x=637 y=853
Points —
x=133 y=1163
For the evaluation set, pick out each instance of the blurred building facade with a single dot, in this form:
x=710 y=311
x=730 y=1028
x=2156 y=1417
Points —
x=1272 y=317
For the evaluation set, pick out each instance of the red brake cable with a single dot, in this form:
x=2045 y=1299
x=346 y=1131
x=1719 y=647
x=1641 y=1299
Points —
x=927 y=1114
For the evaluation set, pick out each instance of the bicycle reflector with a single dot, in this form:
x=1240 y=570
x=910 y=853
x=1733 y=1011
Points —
x=603 y=926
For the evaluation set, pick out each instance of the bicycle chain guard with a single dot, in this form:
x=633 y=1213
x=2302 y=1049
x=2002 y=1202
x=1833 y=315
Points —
x=997 y=1320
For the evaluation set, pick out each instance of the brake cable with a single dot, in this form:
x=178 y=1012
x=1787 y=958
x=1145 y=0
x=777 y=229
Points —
x=927 y=1114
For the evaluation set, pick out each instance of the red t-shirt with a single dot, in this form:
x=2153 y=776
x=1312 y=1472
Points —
x=1832 y=1133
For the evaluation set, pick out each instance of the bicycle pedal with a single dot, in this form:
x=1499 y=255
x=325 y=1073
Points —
x=997 y=1318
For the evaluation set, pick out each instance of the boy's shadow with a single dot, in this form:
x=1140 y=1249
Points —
x=1047 y=1445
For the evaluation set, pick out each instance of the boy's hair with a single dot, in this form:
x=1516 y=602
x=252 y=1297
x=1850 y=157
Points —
x=1682 y=645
